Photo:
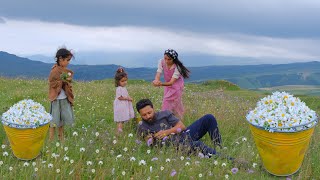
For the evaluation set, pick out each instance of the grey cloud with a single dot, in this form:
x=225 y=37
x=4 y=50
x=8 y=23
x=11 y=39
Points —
x=2 y=20
x=270 y=18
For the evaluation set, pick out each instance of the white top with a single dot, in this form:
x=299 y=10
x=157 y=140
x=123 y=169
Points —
x=176 y=73
x=62 y=94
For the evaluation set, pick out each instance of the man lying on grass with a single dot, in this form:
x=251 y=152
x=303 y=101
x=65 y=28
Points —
x=162 y=127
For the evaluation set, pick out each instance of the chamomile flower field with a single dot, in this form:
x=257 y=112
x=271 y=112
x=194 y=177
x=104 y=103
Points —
x=92 y=150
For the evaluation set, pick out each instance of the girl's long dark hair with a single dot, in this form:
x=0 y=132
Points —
x=63 y=53
x=181 y=68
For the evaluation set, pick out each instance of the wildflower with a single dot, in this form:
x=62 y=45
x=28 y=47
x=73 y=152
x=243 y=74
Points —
x=215 y=162
x=75 y=134
x=119 y=156
x=71 y=172
x=223 y=164
x=26 y=164
x=181 y=158
x=66 y=148
x=210 y=173
x=165 y=138
x=71 y=161
x=234 y=170
x=82 y=149
x=148 y=151
x=201 y=155
x=254 y=165
x=1 y=163
x=178 y=130
x=250 y=171
x=97 y=134
x=100 y=162
x=112 y=171
x=161 y=168
x=226 y=176
x=93 y=170
x=50 y=165
x=173 y=173
x=142 y=162
x=114 y=141
x=130 y=135
x=97 y=151
x=3 y=146
x=57 y=144
x=58 y=170
x=10 y=168
x=150 y=141
x=132 y=159
x=5 y=153
x=123 y=173
x=35 y=169
x=125 y=149
x=66 y=158
x=244 y=139
x=138 y=141
x=200 y=175
x=187 y=164
x=150 y=168
x=89 y=163
x=154 y=159
x=167 y=160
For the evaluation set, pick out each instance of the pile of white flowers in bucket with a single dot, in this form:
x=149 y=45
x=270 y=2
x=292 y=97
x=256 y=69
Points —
x=282 y=112
x=26 y=114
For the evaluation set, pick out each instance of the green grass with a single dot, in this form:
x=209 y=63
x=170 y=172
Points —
x=94 y=113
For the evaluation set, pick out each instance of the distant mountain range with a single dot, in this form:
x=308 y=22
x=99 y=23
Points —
x=246 y=76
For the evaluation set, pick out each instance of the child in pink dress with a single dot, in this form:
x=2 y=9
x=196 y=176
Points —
x=174 y=73
x=123 y=109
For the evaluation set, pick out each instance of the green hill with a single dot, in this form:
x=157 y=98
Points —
x=94 y=114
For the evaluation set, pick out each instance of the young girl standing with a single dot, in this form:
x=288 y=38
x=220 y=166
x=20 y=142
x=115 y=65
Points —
x=174 y=73
x=60 y=94
x=123 y=109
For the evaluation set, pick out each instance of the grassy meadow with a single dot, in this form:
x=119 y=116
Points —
x=92 y=150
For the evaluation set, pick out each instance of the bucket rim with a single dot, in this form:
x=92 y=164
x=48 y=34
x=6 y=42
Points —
x=18 y=126
x=278 y=131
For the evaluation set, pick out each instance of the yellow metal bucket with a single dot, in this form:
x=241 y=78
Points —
x=26 y=143
x=282 y=153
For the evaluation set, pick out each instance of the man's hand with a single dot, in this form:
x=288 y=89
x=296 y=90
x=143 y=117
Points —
x=161 y=134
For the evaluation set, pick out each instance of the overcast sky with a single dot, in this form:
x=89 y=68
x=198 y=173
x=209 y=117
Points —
x=117 y=32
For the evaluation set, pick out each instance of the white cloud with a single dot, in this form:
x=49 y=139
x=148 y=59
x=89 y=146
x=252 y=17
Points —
x=36 y=37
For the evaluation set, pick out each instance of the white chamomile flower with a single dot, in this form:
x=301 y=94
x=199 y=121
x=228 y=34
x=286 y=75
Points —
x=3 y=146
x=125 y=149
x=181 y=158
x=58 y=170
x=254 y=165
x=65 y=148
x=97 y=134
x=89 y=163
x=35 y=169
x=93 y=170
x=57 y=144
x=75 y=134
x=223 y=164
x=66 y=158
x=244 y=139
x=142 y=162
x=119 y=156
x=168 y=160
x=82 y=149
x=123 y=173
x=187 y=164
x=132 y=159
x=100 y=162
x=34 y=163
x=215 y=162
x=226 y=176
x=10 y=168
x=148 y=151
x=97 y=151
x=26 y=164
x=114 y=141
x=200 y=175
x=161 y=168
x=5 y=153
x=50 y=165
x=71 y=161
x=130 y=135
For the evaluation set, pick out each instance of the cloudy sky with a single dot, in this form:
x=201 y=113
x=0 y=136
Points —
x=136 y=33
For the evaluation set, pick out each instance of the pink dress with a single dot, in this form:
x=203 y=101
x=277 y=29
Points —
x=172 y=98
x=123 y=109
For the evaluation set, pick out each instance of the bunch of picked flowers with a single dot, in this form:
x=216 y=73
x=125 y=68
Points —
x=282 y=112
x=64 y=76
x=26 y=114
